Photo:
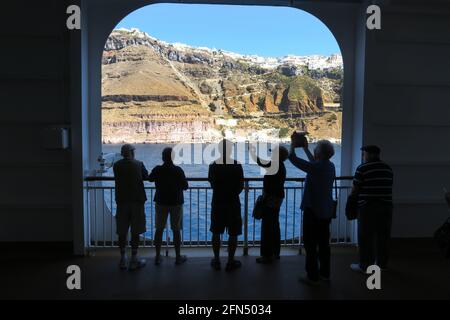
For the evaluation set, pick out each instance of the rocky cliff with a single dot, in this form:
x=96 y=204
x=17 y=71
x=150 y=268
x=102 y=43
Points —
x=155 y=91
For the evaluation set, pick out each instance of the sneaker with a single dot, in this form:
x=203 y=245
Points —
x=158 y=260
x=356 y=267
x=308 y=281
x=180 y=260
x=215 y=264
x=232 y=265
x=137 y=263
x=264 y=260
x=123 y=264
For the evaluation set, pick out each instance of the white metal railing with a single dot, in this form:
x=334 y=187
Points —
x=101 y=206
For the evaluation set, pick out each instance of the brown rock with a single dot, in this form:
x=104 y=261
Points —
x=249 y=105
x=254 y=99
x=269 y=105
x=278 y=96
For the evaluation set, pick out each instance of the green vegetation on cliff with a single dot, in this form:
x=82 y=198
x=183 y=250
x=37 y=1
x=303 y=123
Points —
x=303 y=88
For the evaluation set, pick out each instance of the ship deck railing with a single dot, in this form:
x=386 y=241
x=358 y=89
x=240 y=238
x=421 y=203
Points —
x=101 y=210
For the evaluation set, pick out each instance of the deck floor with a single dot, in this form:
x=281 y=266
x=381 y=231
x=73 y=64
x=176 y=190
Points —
x=418 y=271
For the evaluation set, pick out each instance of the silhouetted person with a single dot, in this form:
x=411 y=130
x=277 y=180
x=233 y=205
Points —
x=317 y=205
x=372 y=184
x=170 y=182
x=273 y=195
x=227 y=181
x=129 y=175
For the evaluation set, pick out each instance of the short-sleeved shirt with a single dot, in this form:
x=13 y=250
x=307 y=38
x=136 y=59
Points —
x=375 y=180
x=170 y=182
x=227 y=182
x=129 y=176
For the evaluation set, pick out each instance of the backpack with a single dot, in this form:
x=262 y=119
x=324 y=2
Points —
x=442 y=238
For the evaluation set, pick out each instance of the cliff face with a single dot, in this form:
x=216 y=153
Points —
x=160 y=131
x=154 y=91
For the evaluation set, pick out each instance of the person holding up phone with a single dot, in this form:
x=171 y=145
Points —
x=317 y=205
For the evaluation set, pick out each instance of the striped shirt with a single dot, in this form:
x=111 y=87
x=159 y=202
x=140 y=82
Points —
x=374 y=179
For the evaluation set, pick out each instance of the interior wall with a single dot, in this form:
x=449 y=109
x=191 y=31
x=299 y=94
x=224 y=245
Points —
x=407 y=110
x=35 y=183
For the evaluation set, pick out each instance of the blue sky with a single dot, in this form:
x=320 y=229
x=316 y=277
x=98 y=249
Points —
x=265 y=31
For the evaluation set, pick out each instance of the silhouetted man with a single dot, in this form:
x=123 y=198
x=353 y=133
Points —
x=317 y=205
x=170 y=182
x=227 y=181
x=372 y=184
x=129 y=175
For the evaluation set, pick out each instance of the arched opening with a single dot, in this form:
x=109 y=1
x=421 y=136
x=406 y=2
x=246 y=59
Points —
x=101 y=28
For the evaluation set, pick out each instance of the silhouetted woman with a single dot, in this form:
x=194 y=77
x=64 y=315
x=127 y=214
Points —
x=273 y=193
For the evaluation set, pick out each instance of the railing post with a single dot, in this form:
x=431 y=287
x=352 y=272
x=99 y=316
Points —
x=246 y=193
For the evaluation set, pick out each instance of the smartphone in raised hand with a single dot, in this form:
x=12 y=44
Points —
x=298 y=138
